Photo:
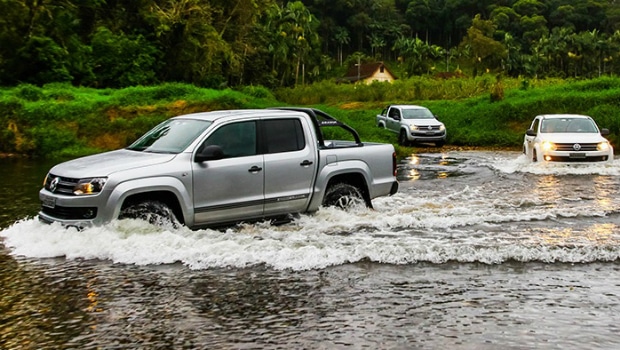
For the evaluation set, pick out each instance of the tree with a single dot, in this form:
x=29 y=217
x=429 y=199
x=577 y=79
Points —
x=341 y=36
x=486 y=53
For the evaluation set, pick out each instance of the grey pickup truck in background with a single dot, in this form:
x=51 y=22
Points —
x=413 y=124
x=219 y=168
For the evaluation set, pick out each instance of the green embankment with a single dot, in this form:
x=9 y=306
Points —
x=64 y=121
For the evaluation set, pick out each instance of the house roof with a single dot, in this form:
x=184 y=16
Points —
x=366 y=70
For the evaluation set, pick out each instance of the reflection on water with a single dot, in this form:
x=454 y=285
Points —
x=426 y=167
x=19 y=191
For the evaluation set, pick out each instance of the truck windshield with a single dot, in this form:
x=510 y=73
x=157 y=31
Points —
x=417 y=113
x=568 y=125
x=171 y=136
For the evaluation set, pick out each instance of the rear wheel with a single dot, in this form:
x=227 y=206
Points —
x=343 y=196
x=154 y=212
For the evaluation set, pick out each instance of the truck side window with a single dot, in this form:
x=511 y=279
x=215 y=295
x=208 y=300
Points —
x=535 y=126
x=394 y=113
x=236 y=139
x=283 y=135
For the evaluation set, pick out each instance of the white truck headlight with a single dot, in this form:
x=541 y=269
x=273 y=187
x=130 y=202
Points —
x=603 y=146
x=548 y=146
x=89 y=186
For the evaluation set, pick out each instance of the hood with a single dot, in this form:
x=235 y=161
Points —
x=105 y=164
x=424 y=122
x=573 y=138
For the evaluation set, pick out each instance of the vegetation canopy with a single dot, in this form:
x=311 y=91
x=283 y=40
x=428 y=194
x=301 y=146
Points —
x=276 y=43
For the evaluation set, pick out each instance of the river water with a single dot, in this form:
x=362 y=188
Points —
x=478 y=250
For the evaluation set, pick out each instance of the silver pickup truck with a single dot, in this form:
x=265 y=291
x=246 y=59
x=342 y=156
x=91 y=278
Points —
x=219 y=168
x=413 y=124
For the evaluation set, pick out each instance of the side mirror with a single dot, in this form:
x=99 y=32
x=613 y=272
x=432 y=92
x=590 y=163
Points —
x=396 y=117
x=530 y=132
x=604 y=131
x=213 y=152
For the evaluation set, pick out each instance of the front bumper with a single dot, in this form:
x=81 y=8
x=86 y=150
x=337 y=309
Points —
x=432 y=136
x=69 y=210
x=577 y=157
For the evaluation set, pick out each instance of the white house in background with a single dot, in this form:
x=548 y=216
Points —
x=367 y=73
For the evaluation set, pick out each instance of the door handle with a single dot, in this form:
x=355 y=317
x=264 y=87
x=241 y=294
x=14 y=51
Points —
x=305 y=163
x=255 y=169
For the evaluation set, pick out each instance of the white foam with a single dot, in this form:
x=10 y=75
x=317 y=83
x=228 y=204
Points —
x=327 y=238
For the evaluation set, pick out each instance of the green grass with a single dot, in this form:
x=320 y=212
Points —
x=62 y=120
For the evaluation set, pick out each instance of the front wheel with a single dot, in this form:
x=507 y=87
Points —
x=343 y=196
x=534 y=156
x=402 y=138
x=153 y=212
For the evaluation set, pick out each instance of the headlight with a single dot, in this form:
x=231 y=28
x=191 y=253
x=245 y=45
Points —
x=548 y=146
x=413 y=127
x=442 y=127
x=89 y=186
x=603 y=146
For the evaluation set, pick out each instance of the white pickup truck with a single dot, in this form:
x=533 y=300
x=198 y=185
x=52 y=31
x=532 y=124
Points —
x=221 y=167
x=412 y=124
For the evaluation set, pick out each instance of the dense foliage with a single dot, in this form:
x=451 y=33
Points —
x=276 y=43
x=63 y=120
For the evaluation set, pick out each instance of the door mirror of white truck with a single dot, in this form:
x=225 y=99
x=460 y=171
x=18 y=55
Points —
x=212 y=152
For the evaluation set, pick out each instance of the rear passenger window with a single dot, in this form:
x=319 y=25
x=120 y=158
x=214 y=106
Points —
x=284 y=135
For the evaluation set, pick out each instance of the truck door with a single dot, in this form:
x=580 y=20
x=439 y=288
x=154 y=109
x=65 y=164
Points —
x=230 y=188
x=529 y=140
x=290 y=165
x=393 y=119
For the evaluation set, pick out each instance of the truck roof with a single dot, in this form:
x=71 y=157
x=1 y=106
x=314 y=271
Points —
x=409 y=106
x=214 y=115
x=552 y=116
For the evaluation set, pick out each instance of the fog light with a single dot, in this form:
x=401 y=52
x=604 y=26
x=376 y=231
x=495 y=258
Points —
x=548 y=158
x=89 y=214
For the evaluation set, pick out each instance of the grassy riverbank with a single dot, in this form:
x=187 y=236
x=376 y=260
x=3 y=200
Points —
x=66 y=121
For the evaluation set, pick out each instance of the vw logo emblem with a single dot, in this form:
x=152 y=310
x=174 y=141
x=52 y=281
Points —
x=576 y=147
x=54 y=183
x=430 y=127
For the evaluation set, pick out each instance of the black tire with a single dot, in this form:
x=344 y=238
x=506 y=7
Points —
x=154 y=212
x=402 y=138
x=343 y=196
x=534 y=156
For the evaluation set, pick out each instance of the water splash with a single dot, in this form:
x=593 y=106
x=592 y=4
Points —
x=503 y=209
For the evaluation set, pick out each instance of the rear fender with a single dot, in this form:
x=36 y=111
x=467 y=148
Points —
x=354 y=172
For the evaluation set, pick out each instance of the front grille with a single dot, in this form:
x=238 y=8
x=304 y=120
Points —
x=65 y=184
x=70 y=213
x=427 y=127
x=569 y=147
